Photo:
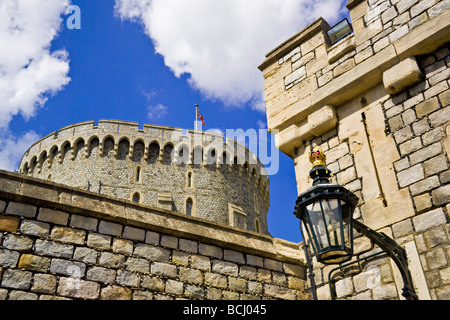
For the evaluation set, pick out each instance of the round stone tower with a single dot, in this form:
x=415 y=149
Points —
x=186 y=171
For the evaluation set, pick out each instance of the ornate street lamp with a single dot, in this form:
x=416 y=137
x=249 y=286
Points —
x=326 y=210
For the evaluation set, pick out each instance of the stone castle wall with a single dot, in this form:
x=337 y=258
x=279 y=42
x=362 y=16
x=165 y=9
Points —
x=157 y=166
x=58 y=242
x=377 y=103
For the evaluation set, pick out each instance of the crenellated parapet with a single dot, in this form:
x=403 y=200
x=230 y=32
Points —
x=188 y=171
x=307 y=78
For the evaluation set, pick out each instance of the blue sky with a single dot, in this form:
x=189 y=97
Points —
x=148 y=61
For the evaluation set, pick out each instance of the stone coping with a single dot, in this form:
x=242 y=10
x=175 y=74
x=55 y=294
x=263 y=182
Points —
x=20 y=188
x=320 y=25
x=421 y=40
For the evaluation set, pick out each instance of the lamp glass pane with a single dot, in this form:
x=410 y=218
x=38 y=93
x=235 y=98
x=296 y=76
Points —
x=317 y=223
x=332 y=216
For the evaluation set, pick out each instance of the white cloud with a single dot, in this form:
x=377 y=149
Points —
x=221 y=43
x=12 y=148
x=261 y=124
x=157 y=112
x=29 y=72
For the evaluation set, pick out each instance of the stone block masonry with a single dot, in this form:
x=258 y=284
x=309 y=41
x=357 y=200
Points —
x=79 y=245
x=388 y=87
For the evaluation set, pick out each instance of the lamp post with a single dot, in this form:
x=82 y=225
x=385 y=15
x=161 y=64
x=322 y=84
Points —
x=326 y=210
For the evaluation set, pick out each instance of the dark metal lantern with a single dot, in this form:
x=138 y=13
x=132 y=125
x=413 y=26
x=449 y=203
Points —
x=326 y=210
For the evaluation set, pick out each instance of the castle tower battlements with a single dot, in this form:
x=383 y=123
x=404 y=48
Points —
x=194 y=172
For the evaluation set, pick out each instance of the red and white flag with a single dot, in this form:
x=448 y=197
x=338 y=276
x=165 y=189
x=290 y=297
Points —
x=201 y=118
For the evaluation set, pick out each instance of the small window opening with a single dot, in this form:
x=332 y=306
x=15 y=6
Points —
x=189 y=206
x=257 y=226
x=136 y=197
x=138 y=174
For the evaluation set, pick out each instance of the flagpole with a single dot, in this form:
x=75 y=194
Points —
x=196 y=117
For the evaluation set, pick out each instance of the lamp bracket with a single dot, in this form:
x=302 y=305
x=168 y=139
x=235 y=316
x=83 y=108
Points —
x=395 y=252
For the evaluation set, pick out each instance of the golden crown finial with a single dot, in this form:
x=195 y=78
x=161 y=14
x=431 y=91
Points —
x=317 y=157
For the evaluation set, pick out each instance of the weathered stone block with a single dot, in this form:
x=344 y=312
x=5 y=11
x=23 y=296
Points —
x=224 y=267
x=9 y=224
x=174 y=287
x=210 y=251
x=35 y=228
x=440 y=117
x=435 y=237
x=153 y=283
x=128 y=278
x=425 y=153
x=169 y=241
x=101 y=274
x=152 y=237
x=152 y=253
x=181 y=258
x=138 y=265
x=436 y=258
x=2 y=206
x=82 y=222
x=68 y=268
x=201 y=262
x=17 y=242
x=188 y=275
x=402 y=228
x=385 y=292
x=115 y=293
x=122 y=246
x=344 y=67
x=411 y=175
x=237 y=284
x=188 y=245
x=445 y=98
x=234 y=256
x=98 y=241
x=422 y=202
x=194 y=292
x=16 y=279
x=216 y=280
x=429 y=219
x=435 y=165
x=86 y=255
x=110 y=228
x=34 y=263
x=424 y=185
x=21 y=209
x=427 y=107
x=53 y=216
x=74 y=288
x=279 y=292
x=44 y=283
x=68 y=235
x=273 y=264
x=8 y=258
x=164 y=269
x=403 y=75
x=111 y=260
x=255 y=260
x=344 y=287
x=134 y=233
x=410 y=146
x=297 y=75
x=441 y=196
